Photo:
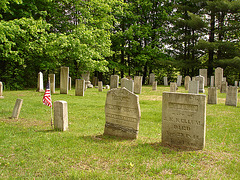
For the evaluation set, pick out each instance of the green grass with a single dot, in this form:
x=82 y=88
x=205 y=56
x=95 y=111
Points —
x=29 y=148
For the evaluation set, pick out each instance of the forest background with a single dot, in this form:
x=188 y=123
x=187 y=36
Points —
x=124 y=37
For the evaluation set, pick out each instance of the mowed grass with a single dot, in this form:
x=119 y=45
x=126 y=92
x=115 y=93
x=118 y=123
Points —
x=29 y=148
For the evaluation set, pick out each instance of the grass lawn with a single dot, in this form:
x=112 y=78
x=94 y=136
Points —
x=30 y=149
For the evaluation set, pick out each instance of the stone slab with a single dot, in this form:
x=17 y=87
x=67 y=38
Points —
x=52 y=82
x=64 y=80
x=218 y=77
x=40 y=82
x=203 y=72
x=60 y=115
x=193 y=87
x=1 y=90
x=79 y=87
x=154 y=86
x=137 y=84
x=165 y=81
x=231 y=96
x=128 y=84
x=186 y=82
x=114 y=81
x=179 y=81
x=100 y=86
x=212 y=95
x=173 y=87
x=17 y=108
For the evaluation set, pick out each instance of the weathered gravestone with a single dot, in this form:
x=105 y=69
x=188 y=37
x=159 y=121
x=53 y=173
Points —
x=128 y=84
x=212 y=95
x=152 y=78
x=70 y=83
x=17 y=108
x=60 y=115
x=179 y=80
x=236 y=83
x=137 y=84
x=52 y=82
x=1 y=90
x=212 y=81
x=114 y=81
x=203 y=72
x=184 y=120
x=64 y=78
x=100 y=86
x=224 y=85
x=154 y=86
x=231 y=96
x=40 y=82
x=218 y=77
x=79 y=87
x=186 y=82
x=201 y=83
x=173 y=87
x=122 y=113
x=193 y=87
x=165 y=81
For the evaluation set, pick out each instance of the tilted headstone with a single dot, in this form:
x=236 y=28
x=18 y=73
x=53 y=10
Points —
x=218 y=77
x=128 y=84
x=184 y=120
x=79 y=87
x=179 y=80
x=154 y=86
x=231 y=96
x=1 y=90
x=212 y=95
x=173 y=87
x=122 y=113
x=60 y=115
x=70 y=83
x=40 y=82
x=201 y=83
x=17 y=108
x=186 y=82
x=152 y=78
x=114 y=81
x=193 y=87
x=212 y=81
x=137 y=84
x=165 y=81
x=64 y=78
x=224 y=85
x=236 y=83
x=52 y=82
x=203 y=72
x=100 y=86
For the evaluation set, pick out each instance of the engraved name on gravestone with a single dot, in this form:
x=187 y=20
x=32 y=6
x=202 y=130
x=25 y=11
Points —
x=184 y=120
x=179 y=80
x=64 y=78
x=231 y=96
x=218 y=77
x=203 y=72
x=128 y=84
x=114 y=81
x=173 y=87
x=52 y=82
x=79 y=87
x=137 y=84
x=165 y=81
x=1 y=90
x=212 y=95
x=122 y=113
x=60 y=115
x=186 y=82
x=40 y=82
x=193 y=87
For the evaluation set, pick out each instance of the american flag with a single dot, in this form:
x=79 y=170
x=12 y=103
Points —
x=47 y=96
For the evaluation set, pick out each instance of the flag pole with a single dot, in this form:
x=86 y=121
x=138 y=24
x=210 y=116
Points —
x=51 y=106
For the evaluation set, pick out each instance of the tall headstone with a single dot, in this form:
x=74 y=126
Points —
x=165 y=81
x=60 y=115
x=40 y=82
x=212 y=81
x=218 y=77
x=201 y=83
x=193 y=87
x=1 y=90
x=100 y=86
x=70 y=83
x=231 y=97
x=128 y=84
x=52 y=82
x=154 y=86
x=203 y=72
x=184 y=120
x=114 y=81
x=224 y=85
x=137 y=84
x=173 y=87
x=17 y=108
x=236 y=83
x=212 y=95
x=64 y=78
x=186 y=82
x=122 y=113
x=79 y=87
x=179 y=80
x=152 y=78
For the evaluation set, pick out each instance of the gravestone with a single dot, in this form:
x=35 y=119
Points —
x=184 y=120
x=203 y=72
x=201 y=83
x=114 y=81
x=231 y=96
x=212 y=81
x=212 y=95
x=224 y=85
x=95 y=81
x=64 y=78
x=154 y=86
x=152 y=78
x=79 y=87
x=52 y=82
x=236 y=83
x=122 y=113
x=218 y=77
x=193 y=78
x=17 y=108
x=137 y=84
x=100 y=86
x=1 y=90
x=224 y=79
x=165 y=81
x=40 y=82
x=179 y=81
x=60 y=115
x=70 y=83
x=186 y=82
x=173 y=87
x=107 y=87
x=193 y=87
x=128 y=84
